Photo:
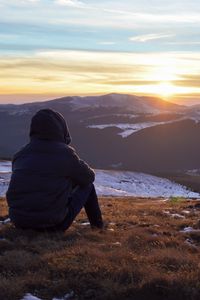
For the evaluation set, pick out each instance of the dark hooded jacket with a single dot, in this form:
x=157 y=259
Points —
x=43 y=173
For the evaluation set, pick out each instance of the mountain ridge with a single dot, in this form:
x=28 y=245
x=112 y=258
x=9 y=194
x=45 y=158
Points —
x=115 y=131
x=114 y=96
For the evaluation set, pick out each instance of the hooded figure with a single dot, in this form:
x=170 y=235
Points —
x=44 y=174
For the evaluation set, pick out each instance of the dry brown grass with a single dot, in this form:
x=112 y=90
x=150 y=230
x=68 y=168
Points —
x=142 y=255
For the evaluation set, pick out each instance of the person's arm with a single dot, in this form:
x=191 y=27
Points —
x=79 y=171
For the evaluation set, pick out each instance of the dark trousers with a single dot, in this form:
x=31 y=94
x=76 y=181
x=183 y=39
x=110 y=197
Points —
x=83 y=197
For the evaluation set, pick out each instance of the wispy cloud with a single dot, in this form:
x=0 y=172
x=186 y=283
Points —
x=104 y=37
x=87 y=72
x=71 y=3
x=18 y=2
x=129 y=82
x=189 y=80
x=149 y=37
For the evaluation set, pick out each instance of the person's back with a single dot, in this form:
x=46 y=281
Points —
x=44 y=174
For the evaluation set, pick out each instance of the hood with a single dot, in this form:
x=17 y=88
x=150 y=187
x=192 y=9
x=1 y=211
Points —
x=48 y=124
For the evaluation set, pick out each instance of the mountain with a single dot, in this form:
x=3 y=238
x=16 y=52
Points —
x=116 y=131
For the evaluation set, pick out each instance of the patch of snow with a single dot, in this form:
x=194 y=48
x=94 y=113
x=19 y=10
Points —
x=166 y=212
x=166 y=200
x=117 y=165
x=116 y=244
x=66 y=297
x=5 y=173
x=187 y=229
x=194 y=172
x=124 y=183
x=190 y=229
x=85 y=223
x=5 y=166
x=128 y=129
x=186 y=212
x=175 y=215
x=4 y=181
x=154 y=234
x=30 y=297
x=195 y=119
x=6 y=221
x=129 y=116
x=19 y=112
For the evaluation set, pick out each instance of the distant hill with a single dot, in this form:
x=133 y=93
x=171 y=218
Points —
x=116 y=131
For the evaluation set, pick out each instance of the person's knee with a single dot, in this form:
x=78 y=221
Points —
x=92 y=188
x=89 y=186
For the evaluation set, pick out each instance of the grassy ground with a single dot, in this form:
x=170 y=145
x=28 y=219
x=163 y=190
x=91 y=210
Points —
x=142 y=254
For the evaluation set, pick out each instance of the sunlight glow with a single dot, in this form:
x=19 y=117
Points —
x=67 y=72
x=166 y=89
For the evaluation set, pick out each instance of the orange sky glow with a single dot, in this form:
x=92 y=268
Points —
x=56 y=48
x=47 y=74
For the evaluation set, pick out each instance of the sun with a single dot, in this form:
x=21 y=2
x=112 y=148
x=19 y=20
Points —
x=165 y=89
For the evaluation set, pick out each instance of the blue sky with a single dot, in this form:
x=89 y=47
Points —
x=34 y=32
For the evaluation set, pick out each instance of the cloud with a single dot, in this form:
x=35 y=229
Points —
x=149 y=37
x=152 y=17
x=71 y=3
x=188 y=80
x=88 y=72
x=15 y=3
x=129 y=82
x=70 y=62
x=23 y=1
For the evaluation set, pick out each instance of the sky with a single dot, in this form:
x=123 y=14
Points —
x=53 y=48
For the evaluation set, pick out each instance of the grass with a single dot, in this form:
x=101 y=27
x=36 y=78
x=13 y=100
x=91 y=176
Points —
x=175 y=200
x=142 y=255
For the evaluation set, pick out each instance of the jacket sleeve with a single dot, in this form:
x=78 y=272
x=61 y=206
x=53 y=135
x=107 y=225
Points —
x=79 y=171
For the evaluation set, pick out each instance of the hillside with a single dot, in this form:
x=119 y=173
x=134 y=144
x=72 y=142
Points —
x=81 y=113
x=150 y=250
x=116 y=131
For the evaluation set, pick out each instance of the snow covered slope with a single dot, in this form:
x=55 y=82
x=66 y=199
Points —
x=118 y=183
x=5 y=166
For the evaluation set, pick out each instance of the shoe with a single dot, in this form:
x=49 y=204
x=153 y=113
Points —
x=100 y=227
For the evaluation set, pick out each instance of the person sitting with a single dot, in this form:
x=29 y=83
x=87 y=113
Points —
x=50 y=184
